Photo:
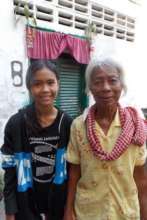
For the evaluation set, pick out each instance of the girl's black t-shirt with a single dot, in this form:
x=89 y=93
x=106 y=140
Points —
x=44 y=146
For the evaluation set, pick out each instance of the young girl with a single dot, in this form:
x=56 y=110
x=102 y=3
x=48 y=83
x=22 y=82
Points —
x=33 y=151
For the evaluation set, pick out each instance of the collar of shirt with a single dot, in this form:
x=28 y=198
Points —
x=115 y=122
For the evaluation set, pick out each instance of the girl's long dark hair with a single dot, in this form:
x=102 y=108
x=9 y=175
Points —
x=32 y=125
x=37 y=65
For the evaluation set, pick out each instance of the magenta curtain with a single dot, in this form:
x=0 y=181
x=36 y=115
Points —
x=50 y=45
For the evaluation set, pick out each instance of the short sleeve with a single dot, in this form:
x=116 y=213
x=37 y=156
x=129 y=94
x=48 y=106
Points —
x=73 y=154
x=141 y=155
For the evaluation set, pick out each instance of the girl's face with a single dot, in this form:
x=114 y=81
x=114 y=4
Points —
x=44 y=88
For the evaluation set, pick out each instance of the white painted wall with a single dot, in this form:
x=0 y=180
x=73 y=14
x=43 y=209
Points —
x=123 y=6
x=12 y=47
x=124 y=52
x=140 y=76
x=131 y=55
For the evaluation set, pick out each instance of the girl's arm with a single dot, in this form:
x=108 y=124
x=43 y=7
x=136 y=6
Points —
x=74 y=176
x=10 y=179
x=10 y=217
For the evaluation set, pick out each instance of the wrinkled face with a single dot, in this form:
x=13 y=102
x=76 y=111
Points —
x=44 y=88
x=106 y=86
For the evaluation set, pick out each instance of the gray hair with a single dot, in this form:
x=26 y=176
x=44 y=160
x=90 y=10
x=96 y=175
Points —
x=104 y=64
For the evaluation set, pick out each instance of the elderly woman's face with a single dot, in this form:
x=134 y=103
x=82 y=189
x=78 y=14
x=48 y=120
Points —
x=106 y=86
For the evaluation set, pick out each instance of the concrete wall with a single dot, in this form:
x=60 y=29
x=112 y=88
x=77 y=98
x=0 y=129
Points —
x=124 y=6
x=130 y=55
x=12 y=48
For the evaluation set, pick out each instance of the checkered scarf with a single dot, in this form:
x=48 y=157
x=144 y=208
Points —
x=134 y=130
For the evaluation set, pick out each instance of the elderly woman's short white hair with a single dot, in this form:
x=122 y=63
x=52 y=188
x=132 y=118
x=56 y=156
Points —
x=104 y=63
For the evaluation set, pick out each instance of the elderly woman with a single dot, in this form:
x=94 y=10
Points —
x=107 y=153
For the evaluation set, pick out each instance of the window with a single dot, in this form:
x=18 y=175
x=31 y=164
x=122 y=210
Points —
x=74 y=16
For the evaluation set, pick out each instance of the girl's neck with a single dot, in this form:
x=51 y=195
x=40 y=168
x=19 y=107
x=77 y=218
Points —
x=45 y=111
x=46 y=116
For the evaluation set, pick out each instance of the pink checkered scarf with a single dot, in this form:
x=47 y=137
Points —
x=134 y=130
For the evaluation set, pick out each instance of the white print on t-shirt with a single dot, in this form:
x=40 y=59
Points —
x=44 y=143
x=46 y=160
x=44 y=138
x=43 y=157
x=43 y=148
x=40 y=171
